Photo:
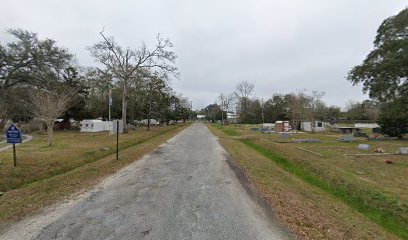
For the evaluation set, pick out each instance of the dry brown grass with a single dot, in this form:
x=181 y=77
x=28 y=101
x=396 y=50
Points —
x=311 y=212
x=72 y=149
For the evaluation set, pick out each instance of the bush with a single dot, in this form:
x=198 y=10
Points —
x=394 y=118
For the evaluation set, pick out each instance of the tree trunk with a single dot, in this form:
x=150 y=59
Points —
x=148 y=116
x=3 y=122
x=222 y=118
x=50 y=130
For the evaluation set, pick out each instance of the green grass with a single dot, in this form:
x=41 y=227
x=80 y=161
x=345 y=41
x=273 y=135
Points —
x=36 y=161
x=47 y=175
x=373 y=204
x=230 y=132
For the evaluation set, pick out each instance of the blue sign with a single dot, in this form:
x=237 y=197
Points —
x=13 y=134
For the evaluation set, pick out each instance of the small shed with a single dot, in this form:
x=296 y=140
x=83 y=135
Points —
x=344 y=130
x=374 y=127
x=200 y=117
x=95 y=125
x=318 y=126
x=282 y=126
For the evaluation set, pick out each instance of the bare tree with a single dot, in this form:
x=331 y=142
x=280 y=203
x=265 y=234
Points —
x=314 y=102
x=302 y=106
x=243 y=90
x=124 y=63
x=225 y=102
x=298 y=104
x=221 y=100
x=48 y=105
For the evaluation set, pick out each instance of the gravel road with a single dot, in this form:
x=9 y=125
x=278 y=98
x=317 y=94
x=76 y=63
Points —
x=185 y=189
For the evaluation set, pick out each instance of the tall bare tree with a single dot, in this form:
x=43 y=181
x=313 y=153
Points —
x=314 y=102
x=48 y=105
x=243 y=90
x=298 y=104
x=225 y=102
x=124 y=63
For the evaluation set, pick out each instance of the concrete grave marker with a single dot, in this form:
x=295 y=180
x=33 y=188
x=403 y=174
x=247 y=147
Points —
x=346 y=138
x=285 y=135
x=363 y=146
x=403 y=150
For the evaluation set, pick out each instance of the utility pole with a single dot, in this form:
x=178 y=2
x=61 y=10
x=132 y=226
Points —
x=191 y=109
x=222 y=112
x=263 y=120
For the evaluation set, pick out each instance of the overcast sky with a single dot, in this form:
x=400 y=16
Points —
x=280 y=46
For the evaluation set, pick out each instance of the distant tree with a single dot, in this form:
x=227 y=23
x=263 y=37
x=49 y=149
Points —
x=153 y=98
x=28 y=61
x=242 y=92
x=298 y=107
x=73 y=80
x=124 y=63
x=276 y=108
x=394 y=118
x=254 y=111
x=384 y=72
x=325 y=113
x=225 y=101
x=366 y=110
x=212 y=111
x=48 y=105
x=315 y=104
x=98 y=84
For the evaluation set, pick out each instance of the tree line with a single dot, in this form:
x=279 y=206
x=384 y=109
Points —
x=39 y=79
x=383 y=73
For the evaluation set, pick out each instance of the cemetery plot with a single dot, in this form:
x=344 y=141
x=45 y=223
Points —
x=373 y=184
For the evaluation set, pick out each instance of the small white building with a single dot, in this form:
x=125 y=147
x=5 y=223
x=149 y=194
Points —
x=231 y=117
x=95 y=125
x=366 y=125
x=318 y=126
x=152 y=121
x=200 y=117
x=271 y=126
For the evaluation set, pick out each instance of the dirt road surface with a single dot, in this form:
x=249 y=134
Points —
x=183 y=190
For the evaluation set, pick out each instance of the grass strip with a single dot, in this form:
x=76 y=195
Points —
x=230 y=132
x=387 y=220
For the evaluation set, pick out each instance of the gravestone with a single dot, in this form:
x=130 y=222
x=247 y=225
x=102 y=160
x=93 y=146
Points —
x=285 y=135
x=363 y=146
x=403 y=150
x=308 y=140
x=346 y=138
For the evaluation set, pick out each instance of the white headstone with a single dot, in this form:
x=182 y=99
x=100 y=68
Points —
x=363 y=146
x=403 y=150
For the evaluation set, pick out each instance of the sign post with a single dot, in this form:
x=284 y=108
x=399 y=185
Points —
x=117 y=139
x=13 y=135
